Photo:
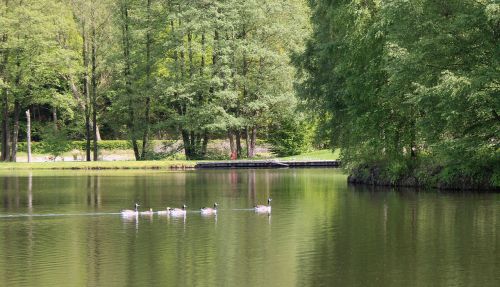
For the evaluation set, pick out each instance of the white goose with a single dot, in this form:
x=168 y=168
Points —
x=263 y=208
x=164 y=212
x=130 y=212
x=177 y=211
x=147 y=213
x=209 y=211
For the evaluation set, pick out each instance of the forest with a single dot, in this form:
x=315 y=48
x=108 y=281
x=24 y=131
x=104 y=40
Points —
x=149 y=69
x=408 y=91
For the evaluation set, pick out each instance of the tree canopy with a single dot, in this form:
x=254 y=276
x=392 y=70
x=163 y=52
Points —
x=403 y=84
x=142 y=69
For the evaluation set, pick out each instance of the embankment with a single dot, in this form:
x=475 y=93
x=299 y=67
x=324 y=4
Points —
x=430 y=177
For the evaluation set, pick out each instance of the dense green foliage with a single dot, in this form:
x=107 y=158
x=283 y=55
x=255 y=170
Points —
x=41 y=146
x=409 y=87
x=148 y=69
x=55 y=142
x=289 y=136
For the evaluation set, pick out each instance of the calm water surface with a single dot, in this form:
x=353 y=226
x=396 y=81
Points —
x=63 y=229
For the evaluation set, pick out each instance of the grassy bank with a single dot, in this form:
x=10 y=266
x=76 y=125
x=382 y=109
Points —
x=315 y=155
x=98 y=165
x=131 y=164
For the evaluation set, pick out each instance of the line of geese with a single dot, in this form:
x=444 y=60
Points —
x=182 y=211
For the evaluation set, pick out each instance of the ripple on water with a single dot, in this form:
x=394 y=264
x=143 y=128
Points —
x=319 y=233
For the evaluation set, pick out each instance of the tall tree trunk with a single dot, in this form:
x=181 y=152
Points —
x=3 y=67
x=85 y=88
x=5 y=128
x=98 y=133
x=135 y=147
x=185 y=134
x=187 y=145
x=247 y=140
x=145 y=136
x=199 y=149
x=15 y=132
x=239 y=149
x=28 y=134
x=244 y=98
x=204 y=144
x=237 y=131
x=127 y=75
x=253 y=140
x=94 y=90
x=195 y=146
x=232 y=146
x=194 y=150
x=17 y=111
x=94 y=126
x=5 y=101
x=87 y=133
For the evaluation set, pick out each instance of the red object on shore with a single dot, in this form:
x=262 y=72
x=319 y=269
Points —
x=234 y=156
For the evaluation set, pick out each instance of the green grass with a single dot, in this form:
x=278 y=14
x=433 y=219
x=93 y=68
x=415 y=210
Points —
x=94 y=165
x=158 y=164
x=324 y=154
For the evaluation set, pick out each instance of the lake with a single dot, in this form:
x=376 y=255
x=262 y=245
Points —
x=63 y=228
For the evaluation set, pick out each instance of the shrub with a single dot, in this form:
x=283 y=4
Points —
x=55 y=142
x=289 y=136
x=39 y=147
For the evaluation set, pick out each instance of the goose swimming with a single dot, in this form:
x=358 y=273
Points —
x=164 y=212
x=147 y=213
x=209 y=210
x=263 y=208
x=130 y=212
x=177 y=211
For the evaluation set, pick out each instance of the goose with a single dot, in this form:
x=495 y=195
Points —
x=130 y=212
x=263 y=208
x=164 y=212
x=209 y=210
x=177 y=211
x=148 y=213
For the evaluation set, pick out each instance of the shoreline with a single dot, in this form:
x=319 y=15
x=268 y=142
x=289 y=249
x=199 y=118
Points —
x=362 y=176
x=101 y=165
x=375 y=176
x=169 y=165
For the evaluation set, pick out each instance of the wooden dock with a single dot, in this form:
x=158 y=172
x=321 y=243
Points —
x=267 y=164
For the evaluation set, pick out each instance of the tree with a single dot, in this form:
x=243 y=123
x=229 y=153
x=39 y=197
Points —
x=248 y=76
x=400 y=82
x=95 y=30
x=36 y=52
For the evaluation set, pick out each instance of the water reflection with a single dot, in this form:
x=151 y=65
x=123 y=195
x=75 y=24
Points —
x=323 y=233
x=93 y=191
x=131 y=220
x=30 y=192
x=395 y=238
